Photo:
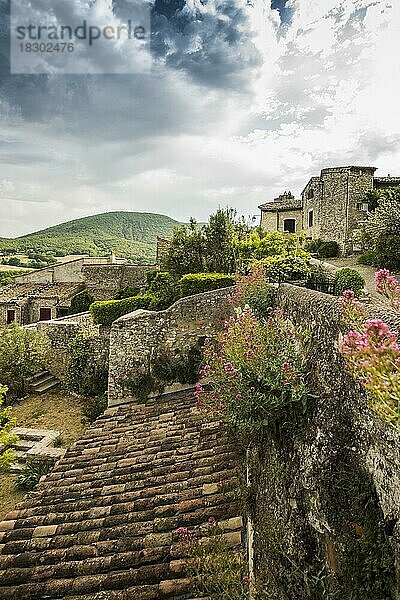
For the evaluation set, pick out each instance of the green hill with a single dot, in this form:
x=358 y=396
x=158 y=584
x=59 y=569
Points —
x=128 y=234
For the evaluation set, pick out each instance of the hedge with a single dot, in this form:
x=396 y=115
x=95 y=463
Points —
x=105 y=313
x=196 y=283
x=322 y=249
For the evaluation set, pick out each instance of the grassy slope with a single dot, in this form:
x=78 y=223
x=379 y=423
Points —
x=129 y=234
x=59 y=411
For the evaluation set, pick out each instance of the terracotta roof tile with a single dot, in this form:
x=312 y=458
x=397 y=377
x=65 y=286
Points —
x=102 y=526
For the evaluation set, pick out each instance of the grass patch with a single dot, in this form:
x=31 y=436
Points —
x=57 y=410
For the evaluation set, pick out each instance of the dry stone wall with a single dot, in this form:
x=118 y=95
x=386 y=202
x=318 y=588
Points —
x=61 y=333
x=136 y=338
x=114 y=277
x=325 y=487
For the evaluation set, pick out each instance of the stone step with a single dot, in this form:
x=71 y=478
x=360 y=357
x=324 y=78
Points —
x=37 y=376
x=41 y=388
x=43 y=382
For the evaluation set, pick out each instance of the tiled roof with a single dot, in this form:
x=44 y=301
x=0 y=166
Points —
x=19 y=291
x=102 y=526
x=281 y=205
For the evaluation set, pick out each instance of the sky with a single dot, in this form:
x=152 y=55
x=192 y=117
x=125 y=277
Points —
x=243 y=100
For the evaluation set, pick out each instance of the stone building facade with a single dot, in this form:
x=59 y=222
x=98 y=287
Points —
x=46 y=294
x=332 y=205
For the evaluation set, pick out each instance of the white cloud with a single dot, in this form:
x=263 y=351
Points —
x=182 y=144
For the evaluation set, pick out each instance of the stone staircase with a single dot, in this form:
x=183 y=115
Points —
x=104 y=523
x=43 y=382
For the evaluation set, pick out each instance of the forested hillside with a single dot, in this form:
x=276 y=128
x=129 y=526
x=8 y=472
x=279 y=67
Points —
x=129 y=234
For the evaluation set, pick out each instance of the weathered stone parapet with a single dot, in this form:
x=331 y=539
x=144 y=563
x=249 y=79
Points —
x=136 y=337
x=329 y=486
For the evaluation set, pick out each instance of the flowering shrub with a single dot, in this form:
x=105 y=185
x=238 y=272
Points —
x=353 y=311
x=217 y=570
x=373 y=357
x=254 y=369
x=253 y=290
x=372 y=351
x=388 y=286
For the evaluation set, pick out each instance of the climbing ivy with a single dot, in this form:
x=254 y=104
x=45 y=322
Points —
x=85 y=376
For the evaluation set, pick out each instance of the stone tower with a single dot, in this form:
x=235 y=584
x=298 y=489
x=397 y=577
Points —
x=334 y=206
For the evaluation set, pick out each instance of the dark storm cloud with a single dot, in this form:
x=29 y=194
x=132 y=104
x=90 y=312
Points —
x=212 y=42
x=284 y=9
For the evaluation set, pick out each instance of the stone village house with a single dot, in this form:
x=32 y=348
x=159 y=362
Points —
x=332 y=205
x=46 y=294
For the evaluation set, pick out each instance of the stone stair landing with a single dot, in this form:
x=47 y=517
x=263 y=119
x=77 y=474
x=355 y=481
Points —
x=34 y=444
x=103 y=524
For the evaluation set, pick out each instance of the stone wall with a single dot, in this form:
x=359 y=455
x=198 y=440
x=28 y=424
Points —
x=61 y=332
x=312 y=199
x=137 y=337
x=325 y=485
x=114 y=277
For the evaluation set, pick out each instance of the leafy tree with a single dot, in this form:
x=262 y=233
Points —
x=221 y=234
x=22 y=354
x=186 y=253
x=258 y=245
x=211 y=248
x=372 y=197
x=381 y=230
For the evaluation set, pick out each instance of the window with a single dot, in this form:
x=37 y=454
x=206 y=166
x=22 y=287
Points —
x=45 y=314
x=310 y=194
x=10 y=316
x=289 y=225
x=310 y=218
x=363 y=206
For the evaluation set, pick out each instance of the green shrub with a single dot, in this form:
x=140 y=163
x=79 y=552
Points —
x=29 y=477
x=348 y=279
x=81 y=303
x=140 y=384
x=329 y=249
x=150 y=275
x=93 y=407
x=167 y=369
x=368 y=258
x=7 y=277
x=387 y=251
x=22 y=355
x=127 y=292
x=105 y=313
x=286 y=268
x=7 y=438
x=166 y=289
x=322 y=249
x=196 y=283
